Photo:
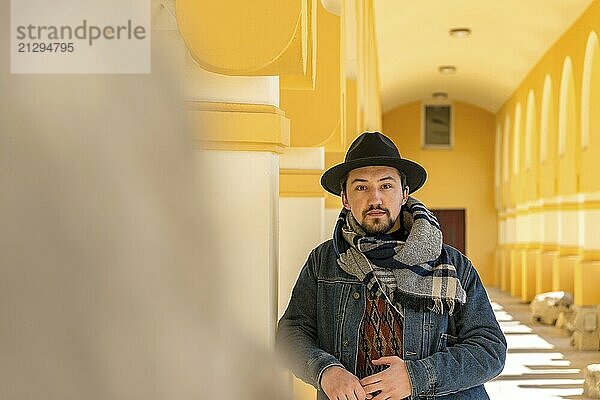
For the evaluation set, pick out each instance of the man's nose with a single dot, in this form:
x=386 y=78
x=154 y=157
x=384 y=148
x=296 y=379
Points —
x=375 y=197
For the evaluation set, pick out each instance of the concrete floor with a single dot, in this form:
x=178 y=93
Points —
x=540 y=364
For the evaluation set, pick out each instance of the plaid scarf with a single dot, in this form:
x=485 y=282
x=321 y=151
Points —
x=400 y=272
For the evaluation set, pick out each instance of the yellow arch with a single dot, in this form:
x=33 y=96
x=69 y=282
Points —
x=529 y=128
x=516 y=153
x=546 y=111
x=238 y=37
x=531 y=146
x=568 y=178
x=591 y=60
x=590 y=116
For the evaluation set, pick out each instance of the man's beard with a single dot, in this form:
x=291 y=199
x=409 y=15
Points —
x=374 y=226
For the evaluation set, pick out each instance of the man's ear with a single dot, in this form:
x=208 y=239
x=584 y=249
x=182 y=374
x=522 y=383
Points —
x=345 y=200
x=405 y=195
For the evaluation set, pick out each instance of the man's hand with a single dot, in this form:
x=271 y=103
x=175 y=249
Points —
x=339 y=384
x=393 y=382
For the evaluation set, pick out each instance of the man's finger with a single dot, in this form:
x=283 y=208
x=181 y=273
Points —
x=359 y=394
x=375 y=387
x=368 y=380
x=381 y=396
x=386 y=360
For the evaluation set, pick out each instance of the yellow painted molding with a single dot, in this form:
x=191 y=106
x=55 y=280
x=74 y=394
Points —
x=591 y=205
x=522 y=212
x=238 y=127
x=532 y=210
x=590 y=256
x=568 y=251
x=550 y=208
x=510 y=214
x=238 y=37
x=232 y=107
x=550 y=247
x=300 y=183
x=311 y=172
x=316 y=114
x=570 y=207
x=587 y=205
x=305 y=80
x=534 y=246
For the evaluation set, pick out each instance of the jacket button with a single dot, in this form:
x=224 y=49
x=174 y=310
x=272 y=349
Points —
x=356 y=295
x=345 y=343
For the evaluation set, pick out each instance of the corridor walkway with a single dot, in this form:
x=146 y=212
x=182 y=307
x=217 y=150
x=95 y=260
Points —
x=540 y=362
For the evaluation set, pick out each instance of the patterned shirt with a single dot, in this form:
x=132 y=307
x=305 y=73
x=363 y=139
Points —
x=380 y=335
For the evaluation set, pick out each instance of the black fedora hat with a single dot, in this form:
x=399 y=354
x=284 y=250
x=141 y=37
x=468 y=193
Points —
x=373 y=149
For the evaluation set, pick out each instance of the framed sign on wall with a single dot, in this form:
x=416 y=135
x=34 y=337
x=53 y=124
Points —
x=437 y=126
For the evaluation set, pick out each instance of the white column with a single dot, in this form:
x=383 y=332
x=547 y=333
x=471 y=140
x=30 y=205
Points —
x=301 y=221
x=242 y=190
x=241 y=195
x=522 y=225
x=537 y=223
x=589 y=221
x=331 y=216
x=510 y=227
x=551 y=224
x=569 y=222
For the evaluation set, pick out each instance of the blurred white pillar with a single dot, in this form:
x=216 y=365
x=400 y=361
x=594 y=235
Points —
x=239 y=132
x=302 y=205
x=241 y=195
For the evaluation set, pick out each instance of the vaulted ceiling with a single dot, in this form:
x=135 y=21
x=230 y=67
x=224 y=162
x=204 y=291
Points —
x=508 y=38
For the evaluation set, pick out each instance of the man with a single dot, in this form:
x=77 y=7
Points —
x=384 y=310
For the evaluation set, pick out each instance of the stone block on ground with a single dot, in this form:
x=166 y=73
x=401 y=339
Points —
x=565 y=320
x=585 y=340
x=546 y=307
x=586 y=335
x=591 y=384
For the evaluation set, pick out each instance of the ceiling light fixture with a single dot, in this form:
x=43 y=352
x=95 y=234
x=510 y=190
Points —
x=440 y=95
x=447 y=69
x=460 y=32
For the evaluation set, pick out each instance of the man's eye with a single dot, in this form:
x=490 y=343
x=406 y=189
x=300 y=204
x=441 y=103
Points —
x=360 y=187
x=386 y=186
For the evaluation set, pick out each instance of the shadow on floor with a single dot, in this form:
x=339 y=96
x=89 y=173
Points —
x=540 y=364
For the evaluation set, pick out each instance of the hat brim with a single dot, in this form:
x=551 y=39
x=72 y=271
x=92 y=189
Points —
x=415 y=174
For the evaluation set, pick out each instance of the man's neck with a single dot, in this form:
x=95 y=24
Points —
x=398 y=234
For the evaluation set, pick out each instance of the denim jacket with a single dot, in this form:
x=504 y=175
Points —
x=447 y=356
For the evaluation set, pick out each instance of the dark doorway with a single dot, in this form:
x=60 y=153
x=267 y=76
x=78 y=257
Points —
x=453 y=227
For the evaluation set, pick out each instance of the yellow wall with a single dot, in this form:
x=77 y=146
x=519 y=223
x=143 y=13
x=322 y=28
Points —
x=572 y=67
x=559 y=175
x=459 y=178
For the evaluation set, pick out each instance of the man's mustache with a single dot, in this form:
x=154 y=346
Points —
x=372 y=208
